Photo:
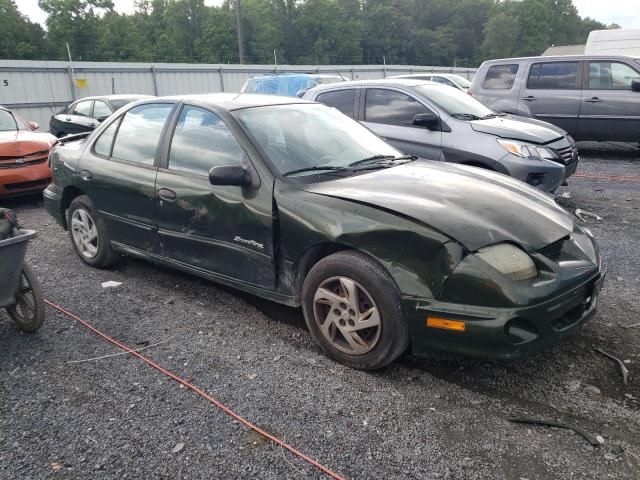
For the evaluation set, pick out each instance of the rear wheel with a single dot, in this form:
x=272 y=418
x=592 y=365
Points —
x=28 y=311
x=89 y=234
x=354 y=311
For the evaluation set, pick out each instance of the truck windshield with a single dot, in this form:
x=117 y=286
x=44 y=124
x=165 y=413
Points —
x=455 y=102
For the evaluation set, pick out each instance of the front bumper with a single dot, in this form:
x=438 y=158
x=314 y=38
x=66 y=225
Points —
x=545 y=175
x=52 y=196
x=24 y=180
x=502 y=333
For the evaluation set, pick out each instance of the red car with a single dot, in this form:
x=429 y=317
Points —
x=24 y=152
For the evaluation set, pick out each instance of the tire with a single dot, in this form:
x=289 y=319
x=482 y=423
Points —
x=28 y=311
x=337 y=323
x=89 y=234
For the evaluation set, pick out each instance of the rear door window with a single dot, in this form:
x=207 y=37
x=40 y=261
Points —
x=139 y=133
x=500 y=77
x=83 y=108
x=611 y=76
x=201 y=141
x=553 y=76
x=343 y=100
x=391 y=107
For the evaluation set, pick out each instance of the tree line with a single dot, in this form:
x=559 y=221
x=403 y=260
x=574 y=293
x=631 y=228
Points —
x=419 y=32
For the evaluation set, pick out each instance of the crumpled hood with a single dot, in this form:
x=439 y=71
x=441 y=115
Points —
x=474 y=206
x=22 y=143
x=512 y=127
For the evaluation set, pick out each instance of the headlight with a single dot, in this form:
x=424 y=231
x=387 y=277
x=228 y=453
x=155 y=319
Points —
x=526 y=150
x=509 y=260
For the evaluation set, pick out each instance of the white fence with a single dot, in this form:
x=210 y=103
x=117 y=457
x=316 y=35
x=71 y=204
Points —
x=37 y=89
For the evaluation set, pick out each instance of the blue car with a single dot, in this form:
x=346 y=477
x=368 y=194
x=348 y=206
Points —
x=288 y=84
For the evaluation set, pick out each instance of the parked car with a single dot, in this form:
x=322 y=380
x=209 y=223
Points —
x=295 y=202
x=85 y=114
x=440 y=123
x=591 y=97
x=288 y=84
x=450 y=79
x=23 y=155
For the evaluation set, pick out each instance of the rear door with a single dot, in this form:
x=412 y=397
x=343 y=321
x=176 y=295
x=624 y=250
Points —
x=551 y=92
x=610 y=109
x=389 y=113
x=118 y=173
x=225 y=230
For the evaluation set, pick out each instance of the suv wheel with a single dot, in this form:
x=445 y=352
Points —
x=89 y=234
x=354 y=311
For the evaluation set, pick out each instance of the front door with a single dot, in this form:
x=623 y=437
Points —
x=610 y=109
x=551 y=92
x=224 y=230
x=118 y=173
x=389 y=113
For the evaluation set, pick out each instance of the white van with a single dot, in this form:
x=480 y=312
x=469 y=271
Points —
x=613 y=42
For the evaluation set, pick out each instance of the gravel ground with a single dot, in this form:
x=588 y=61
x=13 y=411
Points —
x=64 y=415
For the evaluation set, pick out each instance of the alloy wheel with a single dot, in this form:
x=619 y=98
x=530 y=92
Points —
x=85 y=233
x=348 y=317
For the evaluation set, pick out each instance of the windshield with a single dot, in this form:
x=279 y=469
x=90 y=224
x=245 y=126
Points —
x=7 y=121
x=455 y=102
x=308 y=136
x=460 y=81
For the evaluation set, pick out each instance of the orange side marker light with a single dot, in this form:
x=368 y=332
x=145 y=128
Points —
x=446 y=324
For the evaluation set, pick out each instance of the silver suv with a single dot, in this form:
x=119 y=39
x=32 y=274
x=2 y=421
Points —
x=591 y=97
x=437 y=122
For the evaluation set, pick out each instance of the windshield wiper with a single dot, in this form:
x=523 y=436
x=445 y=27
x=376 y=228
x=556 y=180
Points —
x=493 y=115
x=376 y=159
x=315 y=168
x=466 y=116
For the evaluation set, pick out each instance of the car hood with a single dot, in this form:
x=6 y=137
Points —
x=474 y=206
x=514 y=128
x=22 y=143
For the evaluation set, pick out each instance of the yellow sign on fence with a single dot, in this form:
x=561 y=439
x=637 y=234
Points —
x=82 y=83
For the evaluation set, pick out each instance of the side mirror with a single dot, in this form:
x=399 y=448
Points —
x=230 y=175
x=635 y=85
x=33 y=125
x=426 y=120
x=102 y=118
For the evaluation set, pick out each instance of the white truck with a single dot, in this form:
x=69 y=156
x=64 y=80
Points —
x=614 y=42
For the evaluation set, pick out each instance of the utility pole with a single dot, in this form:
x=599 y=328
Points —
x=239 y=30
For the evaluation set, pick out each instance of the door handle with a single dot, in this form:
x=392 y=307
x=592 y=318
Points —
x=167 y=195
x=68 y=119
x=530 y=98
x=86 y=175
x=92 y=124
x=594 y=100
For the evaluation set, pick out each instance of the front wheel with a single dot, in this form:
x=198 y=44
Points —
x=354 y=311
x=28 y=311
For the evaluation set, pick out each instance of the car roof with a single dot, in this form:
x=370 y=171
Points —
x=121 y=96
x=423 y=74
x=562 y=57
x=233 y=101
x=400 y=82
x=387 y=82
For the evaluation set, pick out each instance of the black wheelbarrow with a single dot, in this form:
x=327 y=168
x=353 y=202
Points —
x=20 y=291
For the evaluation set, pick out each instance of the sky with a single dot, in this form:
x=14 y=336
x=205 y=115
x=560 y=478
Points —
x=625 y=13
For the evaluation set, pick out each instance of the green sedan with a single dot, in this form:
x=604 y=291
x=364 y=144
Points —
x=297 y=203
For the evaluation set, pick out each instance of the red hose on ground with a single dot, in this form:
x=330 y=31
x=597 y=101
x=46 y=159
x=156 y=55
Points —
x=199 y=391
